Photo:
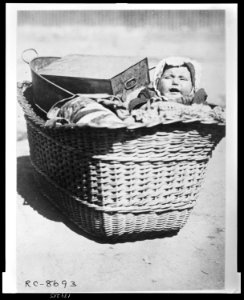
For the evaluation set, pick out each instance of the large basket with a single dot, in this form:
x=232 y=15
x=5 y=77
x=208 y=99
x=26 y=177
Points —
x=120 y=184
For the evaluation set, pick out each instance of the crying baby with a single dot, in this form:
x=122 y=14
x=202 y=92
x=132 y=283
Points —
x=175 y=79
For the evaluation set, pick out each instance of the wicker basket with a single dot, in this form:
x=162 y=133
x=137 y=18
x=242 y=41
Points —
x=120 y=184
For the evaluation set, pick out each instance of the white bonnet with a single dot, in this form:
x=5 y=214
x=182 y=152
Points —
x=176 y=61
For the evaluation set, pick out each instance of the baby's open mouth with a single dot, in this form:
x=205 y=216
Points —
x=174 y=90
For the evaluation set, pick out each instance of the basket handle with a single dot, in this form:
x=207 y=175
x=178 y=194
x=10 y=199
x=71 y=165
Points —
x=28 y=50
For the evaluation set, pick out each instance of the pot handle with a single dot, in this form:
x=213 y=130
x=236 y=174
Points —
x=28 y=50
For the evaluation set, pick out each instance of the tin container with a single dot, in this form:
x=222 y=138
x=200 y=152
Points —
x=84 y=74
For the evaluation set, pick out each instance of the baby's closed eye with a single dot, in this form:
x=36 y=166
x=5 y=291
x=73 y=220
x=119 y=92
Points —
x=183 y=78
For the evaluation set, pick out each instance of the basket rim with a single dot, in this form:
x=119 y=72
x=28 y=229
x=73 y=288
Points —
x=27 y=107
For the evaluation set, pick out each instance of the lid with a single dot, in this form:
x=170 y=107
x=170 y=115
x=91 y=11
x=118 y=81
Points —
x=89 y=66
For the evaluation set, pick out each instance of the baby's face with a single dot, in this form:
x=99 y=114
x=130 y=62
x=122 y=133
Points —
x=175 y=83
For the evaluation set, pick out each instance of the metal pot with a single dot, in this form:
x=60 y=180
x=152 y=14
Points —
x=49 y=89
x=45 y=92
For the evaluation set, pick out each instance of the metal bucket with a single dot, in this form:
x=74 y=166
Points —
x=49 y=89
x=45 y=92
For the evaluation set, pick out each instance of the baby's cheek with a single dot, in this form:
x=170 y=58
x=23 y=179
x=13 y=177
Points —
x=164 y=86
x=186 y=89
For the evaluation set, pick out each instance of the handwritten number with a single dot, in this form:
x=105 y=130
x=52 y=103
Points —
x=55 y=283
x=48 y=283
x=73 y=284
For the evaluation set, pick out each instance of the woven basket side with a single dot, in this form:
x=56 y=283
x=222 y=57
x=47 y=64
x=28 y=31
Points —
x=119 y=181
x=114 y=225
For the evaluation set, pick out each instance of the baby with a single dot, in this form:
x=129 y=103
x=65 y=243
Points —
x=175 y=79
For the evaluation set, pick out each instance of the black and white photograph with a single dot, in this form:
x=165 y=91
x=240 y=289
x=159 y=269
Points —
x=124 y=149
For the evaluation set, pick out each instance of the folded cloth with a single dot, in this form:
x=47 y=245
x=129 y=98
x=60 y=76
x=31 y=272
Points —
x=82 y=111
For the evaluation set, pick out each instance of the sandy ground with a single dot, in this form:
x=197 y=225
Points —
x=50 y=248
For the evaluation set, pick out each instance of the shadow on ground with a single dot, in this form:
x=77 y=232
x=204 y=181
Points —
x=28 y=189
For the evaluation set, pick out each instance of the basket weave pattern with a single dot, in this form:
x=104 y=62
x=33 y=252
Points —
x=120 y=182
